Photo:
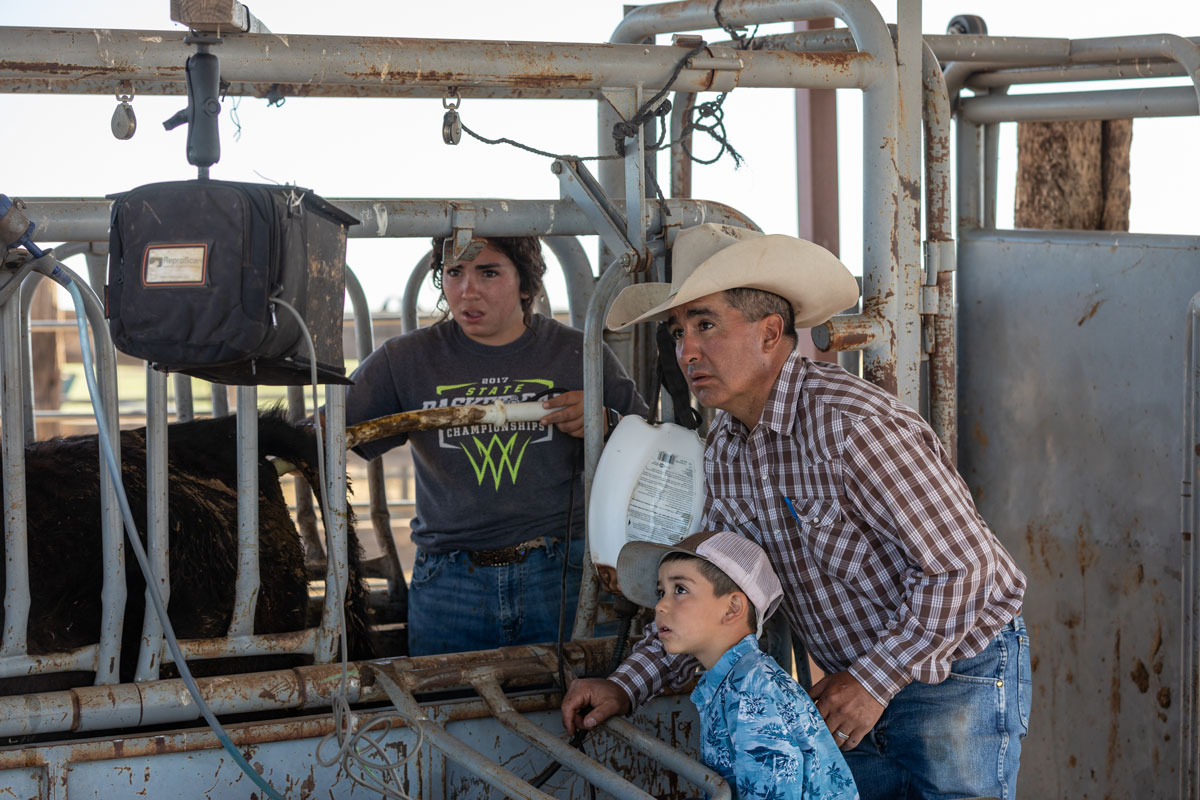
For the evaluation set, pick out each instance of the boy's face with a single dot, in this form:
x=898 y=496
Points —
x=690 y=615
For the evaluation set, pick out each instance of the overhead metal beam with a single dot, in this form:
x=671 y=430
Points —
x=87 y=219
x=94 y=61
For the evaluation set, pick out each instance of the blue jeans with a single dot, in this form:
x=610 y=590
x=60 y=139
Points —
x=958 y=738
x=456 y=606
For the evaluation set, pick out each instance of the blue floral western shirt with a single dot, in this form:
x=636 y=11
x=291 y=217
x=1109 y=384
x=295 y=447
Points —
x=763 y=734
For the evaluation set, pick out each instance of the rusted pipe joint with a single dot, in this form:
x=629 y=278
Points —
x=847 y=332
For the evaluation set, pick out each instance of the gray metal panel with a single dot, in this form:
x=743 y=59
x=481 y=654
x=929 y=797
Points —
x=1070 y=362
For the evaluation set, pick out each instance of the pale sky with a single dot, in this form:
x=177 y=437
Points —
x=61 y=145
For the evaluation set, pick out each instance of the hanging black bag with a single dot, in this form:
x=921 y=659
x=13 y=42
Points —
x=195 y=268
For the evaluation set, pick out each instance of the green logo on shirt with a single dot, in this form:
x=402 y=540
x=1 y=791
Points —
x=499 y=464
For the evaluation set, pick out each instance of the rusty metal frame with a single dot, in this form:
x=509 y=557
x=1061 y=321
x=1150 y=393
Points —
x=99 y=708
x=157 y=535
x=92 y=61
x=886 y=293
x=488 y=688
x=102 y=657
x=57 y=767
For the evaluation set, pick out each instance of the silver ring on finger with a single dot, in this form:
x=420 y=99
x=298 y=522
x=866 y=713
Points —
x=842 y=736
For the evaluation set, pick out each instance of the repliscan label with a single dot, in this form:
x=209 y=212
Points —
x=661 y=507
x=175 y=264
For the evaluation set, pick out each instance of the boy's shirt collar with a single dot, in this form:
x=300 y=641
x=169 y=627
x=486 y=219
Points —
x=712 y=679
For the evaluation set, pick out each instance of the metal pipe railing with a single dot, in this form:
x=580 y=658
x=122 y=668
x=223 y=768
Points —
x=968 y=190
x=306 y=514
x=92 y=61
x=610 y=282
x=1171 y=101
x=412 y=289
x=885 y=290
x=246 y=586
x=337 y=566
x=577 y=273
x=1189 y=766
x=670 y=757
x=381 y=522
x=254 y=644
x=1076 y=73
x=12 y=446
x=488 y=687
x=157 y=531
x=185 y=408
x=104 y=657
x=453 y=748
x=907 y=350
x=95 y=708
x=943 y=392
x=28 y=289
x=83 y=219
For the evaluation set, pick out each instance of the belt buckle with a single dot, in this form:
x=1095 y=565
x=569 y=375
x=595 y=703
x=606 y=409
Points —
x=505 y=556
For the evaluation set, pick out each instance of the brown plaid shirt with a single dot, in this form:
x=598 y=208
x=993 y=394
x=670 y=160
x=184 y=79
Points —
x=888 y=570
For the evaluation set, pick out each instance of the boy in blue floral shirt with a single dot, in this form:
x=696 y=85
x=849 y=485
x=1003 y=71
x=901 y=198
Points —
x=711 y=594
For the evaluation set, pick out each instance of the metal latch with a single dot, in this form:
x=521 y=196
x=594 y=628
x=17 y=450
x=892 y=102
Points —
x=724 y=64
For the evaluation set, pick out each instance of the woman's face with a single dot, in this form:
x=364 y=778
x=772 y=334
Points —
x=484 y=296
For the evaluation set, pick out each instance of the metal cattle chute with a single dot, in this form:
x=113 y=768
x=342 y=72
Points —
x=925 y=256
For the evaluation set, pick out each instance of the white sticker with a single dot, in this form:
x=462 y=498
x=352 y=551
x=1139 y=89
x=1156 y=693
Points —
x=661 y=507
x=175 y=264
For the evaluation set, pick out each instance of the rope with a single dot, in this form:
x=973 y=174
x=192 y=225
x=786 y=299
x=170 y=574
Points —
x=658 y=107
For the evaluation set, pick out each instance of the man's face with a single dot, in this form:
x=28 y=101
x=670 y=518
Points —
x=722 y=356
x=484 y=296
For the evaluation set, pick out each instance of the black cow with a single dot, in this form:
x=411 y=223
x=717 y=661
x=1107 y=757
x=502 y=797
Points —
x=63 y=491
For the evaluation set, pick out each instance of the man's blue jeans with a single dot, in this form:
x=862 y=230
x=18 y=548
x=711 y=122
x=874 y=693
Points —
x=959 y=738
x=454 y=605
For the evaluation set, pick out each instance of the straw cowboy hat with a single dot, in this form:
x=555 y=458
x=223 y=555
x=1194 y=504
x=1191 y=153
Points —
x=711 y=258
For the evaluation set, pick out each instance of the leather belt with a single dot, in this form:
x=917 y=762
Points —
x=513 y=554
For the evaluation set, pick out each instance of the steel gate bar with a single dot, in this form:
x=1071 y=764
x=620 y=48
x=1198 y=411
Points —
x=695 y=772
x=601 y=777
x=454 y=748
x=157 y=532
x=16 y=549
x=364 y=340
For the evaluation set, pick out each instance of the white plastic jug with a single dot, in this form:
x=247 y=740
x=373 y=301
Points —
x=649 y=485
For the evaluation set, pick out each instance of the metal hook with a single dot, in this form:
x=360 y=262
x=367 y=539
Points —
x=124 y=91
x=451 y=94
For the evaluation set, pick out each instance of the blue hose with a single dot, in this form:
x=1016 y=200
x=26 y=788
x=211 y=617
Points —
x=135 y=541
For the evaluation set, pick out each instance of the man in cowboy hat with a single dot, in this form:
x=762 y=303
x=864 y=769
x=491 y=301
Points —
x=901 y=593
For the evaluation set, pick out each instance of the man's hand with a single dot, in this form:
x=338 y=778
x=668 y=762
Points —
x=567 y=412
x=847 y=708
x=597 y=698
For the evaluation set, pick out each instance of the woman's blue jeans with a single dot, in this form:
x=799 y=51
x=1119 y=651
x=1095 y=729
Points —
x=958 y=738
x=455 y=605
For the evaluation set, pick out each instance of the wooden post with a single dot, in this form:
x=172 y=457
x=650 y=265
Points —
x=1074 y=174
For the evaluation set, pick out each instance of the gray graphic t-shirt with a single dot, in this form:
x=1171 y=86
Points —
x=480 y=487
